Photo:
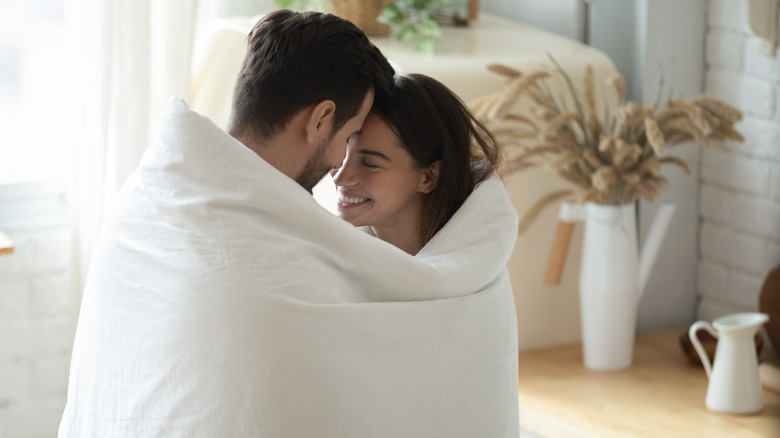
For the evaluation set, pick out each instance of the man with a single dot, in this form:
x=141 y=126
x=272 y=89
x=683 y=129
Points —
x=306 y=85
x=222 y=300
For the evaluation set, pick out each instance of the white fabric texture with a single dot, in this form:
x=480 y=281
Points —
x=224 y=301
x=128 y=57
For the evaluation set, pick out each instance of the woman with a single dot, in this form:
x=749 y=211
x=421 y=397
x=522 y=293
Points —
x=419 y=156
x=420 y=175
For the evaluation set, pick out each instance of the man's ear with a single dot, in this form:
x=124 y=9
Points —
x=431 y=177
x=320 y=122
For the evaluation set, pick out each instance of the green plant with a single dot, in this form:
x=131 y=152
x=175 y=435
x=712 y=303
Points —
x=302 y=5
x=412 y=20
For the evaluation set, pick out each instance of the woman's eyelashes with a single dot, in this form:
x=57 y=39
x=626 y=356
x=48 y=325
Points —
x=370 y=165
x=372 y=160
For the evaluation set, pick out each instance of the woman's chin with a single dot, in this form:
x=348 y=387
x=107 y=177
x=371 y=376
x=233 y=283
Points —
x=352 y=213
x=348 y=218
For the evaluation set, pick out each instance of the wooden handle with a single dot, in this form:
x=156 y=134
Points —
x=473 y=9
x=6 y=244
x=558 y=253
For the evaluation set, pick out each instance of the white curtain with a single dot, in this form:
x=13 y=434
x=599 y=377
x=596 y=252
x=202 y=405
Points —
x=128 y=57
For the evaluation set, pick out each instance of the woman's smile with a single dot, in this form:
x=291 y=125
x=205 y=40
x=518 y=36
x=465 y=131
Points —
x=349 y=201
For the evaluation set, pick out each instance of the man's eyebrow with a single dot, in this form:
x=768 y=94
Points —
x=373 y=154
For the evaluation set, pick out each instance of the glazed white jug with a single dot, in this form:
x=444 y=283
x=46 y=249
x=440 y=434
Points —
x=734 y=387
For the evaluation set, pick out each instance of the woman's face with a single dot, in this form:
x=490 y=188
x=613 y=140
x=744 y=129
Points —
x=379 y=185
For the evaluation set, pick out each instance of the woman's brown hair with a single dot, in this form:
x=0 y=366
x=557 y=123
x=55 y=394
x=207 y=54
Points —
x=433 y=124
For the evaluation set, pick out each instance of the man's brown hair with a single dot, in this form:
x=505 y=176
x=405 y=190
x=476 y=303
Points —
x=295 y=60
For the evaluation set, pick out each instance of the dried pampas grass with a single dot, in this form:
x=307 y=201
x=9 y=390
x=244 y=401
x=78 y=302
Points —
x=613 y=159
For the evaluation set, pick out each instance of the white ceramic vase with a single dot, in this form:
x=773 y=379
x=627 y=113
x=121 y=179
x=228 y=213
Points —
x=612 y=279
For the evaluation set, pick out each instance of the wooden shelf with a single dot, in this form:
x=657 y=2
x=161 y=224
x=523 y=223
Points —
x=661 y=395
x=6 y=244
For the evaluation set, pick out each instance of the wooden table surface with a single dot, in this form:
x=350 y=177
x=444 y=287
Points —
x=660 y=395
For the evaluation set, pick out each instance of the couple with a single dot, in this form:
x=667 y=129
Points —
x=223 y=301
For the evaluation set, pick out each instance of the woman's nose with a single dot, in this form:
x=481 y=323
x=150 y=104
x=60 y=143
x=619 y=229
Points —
x=342 y=174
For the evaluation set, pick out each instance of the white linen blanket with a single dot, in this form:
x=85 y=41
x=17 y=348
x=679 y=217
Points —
x=224 y=301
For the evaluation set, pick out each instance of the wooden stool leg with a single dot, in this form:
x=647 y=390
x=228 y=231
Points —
x=560 y=250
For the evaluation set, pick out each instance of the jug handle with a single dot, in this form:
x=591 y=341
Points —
x=705 y=360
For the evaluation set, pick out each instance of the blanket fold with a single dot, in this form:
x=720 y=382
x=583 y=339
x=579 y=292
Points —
x=224 y=301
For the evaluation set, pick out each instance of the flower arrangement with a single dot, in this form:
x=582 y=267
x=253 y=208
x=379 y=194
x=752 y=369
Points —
x=613 y=159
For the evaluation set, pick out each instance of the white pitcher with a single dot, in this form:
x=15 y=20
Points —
x=613 y=276
x=734 y=387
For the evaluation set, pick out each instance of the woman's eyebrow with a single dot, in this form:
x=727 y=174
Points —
x=373 y=154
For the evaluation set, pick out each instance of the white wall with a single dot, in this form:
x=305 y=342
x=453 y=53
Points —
x=615 y=27
x=672 y=44
x=725 y=236
x=740 y=183
x=646 y=39
x=35 y=333
x=564 y=17
x=36 y=327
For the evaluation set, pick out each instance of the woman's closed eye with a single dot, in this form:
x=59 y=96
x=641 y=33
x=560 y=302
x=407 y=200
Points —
x=372 y=160
x=369 y=165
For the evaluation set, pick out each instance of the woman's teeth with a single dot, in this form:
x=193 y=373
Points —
x=349 y=200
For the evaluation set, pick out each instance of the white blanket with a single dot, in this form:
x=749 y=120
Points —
x=224 y=301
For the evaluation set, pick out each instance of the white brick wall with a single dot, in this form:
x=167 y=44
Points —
x=739 y=206
x=776 y=183
x=728 y=14
x=35 y=334
x=735 y=171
